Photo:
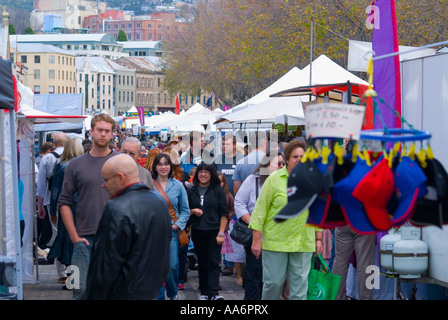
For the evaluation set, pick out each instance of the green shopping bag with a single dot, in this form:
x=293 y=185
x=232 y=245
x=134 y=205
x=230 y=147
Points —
x=322 y=283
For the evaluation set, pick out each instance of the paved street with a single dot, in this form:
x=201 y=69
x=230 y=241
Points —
x=48 y=287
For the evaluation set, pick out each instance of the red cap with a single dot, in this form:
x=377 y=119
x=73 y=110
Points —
x=374 y=191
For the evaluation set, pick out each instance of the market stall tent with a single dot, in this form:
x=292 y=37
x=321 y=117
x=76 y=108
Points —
x=28 y=120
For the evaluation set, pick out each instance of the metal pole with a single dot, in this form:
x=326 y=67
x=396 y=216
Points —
x=2 y=186
x=311 y=51
x=15 y=183
x=437 y=44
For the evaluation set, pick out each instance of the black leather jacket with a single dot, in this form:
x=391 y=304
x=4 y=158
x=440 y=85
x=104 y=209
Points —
x=130 y=255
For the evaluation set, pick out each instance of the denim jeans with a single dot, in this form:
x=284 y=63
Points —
x=172 y=278
x=81 y=259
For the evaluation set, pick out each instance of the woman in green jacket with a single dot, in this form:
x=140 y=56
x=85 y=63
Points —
x=287 y=246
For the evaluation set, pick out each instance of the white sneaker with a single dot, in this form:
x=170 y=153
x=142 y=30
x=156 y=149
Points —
x=217 y=298
x=203 y=297
x=176 y=297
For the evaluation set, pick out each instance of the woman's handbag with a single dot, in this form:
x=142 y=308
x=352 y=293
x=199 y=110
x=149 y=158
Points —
x=322 y=283
x=183 y=236
x=241 y=233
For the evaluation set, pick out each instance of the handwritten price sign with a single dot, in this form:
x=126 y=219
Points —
x=334 y=120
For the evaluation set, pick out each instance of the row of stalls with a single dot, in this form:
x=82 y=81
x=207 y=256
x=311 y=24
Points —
x=280 y=106
x=23 y=117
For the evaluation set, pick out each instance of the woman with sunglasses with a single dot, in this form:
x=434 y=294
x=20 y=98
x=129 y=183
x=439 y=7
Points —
x=209 y=218
x=164 y=182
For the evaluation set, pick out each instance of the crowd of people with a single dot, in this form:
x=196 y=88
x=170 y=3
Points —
x=117 y=207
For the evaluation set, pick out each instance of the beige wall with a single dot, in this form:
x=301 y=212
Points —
x=49 y=72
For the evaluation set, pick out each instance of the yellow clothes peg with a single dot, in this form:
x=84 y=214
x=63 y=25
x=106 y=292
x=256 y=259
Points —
x=429 y=153
x=390 y=158
x=325 y=152
x=397 y=146
x=411 y=153
x=355 y=153
x=339 y=153
x=366 y=157
x=421 y=155
x=306 y=155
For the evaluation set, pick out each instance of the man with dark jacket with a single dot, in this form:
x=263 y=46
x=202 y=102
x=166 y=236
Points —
x=130 y=254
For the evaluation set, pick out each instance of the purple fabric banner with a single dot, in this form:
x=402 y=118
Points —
x=141 y=115
x=386 y=71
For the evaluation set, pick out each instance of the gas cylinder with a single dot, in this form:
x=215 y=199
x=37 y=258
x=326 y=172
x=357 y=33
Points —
x=387 y=243
x=410 y=258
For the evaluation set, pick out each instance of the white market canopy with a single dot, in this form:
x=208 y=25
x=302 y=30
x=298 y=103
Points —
x=268 y=109
x=195 y=118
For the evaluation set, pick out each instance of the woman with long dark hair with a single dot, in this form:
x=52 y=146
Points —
x=166 y=185
x=209 y=218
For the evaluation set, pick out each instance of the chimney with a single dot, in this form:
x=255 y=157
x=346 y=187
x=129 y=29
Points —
x=5 y=17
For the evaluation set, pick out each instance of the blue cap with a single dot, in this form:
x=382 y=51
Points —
x=352 y=208
x=410 y=185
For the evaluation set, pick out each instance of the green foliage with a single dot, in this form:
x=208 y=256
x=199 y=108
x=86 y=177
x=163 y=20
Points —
x=29 y=30
x=122 y=36
x=236 y=48
x=12 y=30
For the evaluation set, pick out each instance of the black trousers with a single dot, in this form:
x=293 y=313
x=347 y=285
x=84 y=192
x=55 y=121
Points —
x=209 y=255
x=253 y=279
x=44 y=231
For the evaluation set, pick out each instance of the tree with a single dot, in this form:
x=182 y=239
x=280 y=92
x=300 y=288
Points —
x=29 y=30
x=122 y=36
x=236 y=48
x=12 y=30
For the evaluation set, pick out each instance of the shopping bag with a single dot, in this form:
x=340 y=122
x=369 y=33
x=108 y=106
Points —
x=322 y=283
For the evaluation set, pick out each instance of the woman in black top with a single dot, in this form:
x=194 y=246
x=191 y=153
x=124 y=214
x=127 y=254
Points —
x=209 y=217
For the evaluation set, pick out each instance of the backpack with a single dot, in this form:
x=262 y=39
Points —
x=50 y=178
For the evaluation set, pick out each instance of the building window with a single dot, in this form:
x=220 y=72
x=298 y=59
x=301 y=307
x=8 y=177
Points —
x=80 y=77
x=23 y=59
x=37 y=74
x=51 y=59
x=51 y=74
x=36 y=89
x=51 y=89
x=36 y=59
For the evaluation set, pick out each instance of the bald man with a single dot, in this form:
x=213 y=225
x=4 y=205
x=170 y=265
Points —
x=132 y=146
x=130 y=255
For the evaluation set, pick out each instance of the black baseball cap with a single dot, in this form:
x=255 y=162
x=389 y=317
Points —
x=432 y=207
x=305 y=183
